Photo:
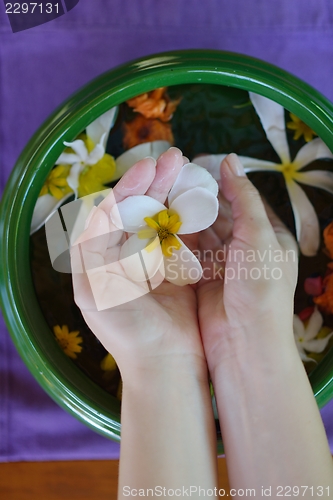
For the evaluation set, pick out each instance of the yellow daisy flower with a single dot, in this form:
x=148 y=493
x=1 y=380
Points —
x=68 y=341
x=300 y=128
x=108 y=363
x=56 y=182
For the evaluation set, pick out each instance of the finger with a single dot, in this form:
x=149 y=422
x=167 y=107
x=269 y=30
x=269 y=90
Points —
x=224 y=222
x=88 y=253
x=135 y=181
x=168 y=167
x=251 y=223
x=284 y=236
x=208 y=240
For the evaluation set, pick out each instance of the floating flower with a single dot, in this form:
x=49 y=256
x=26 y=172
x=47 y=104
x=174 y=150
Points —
x=154 y=104
x=83 y=168
x=141 y=130
x=271 y=115
x=306 y=313
x=328 y=239
x=68 y=341
x=192 y=206
x=94 y=178
x=306 y=335
x=56 y=183
x=313 y=286
x=300 y=128
x=108 y=363
x=131 y=156
x=325 y=300
x=89 y=150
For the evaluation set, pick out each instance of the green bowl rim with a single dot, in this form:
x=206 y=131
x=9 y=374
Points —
x=78 y=394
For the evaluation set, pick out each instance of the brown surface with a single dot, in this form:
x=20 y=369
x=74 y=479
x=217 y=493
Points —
x=67 y=480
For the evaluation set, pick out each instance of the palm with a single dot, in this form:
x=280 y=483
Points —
x=124 y=316
x=228 y=301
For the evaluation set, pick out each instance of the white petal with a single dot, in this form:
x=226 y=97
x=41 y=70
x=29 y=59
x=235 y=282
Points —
x=102 y=126
x=192 y=176
x=68 y=159
x=212 y=164
x=129 y=214
x=317 y=345
x=312 y=151
x=197 y=209
x=298 y=327
x=130 y=157
x=182 y=268
x=271 y=115
x=96 y=154
x=302 y=354
x=150 y=261
x=322 y=179
x=306 y=220
x=314 y=325
x=73 y=177
x=44 y=208
x=79 y=148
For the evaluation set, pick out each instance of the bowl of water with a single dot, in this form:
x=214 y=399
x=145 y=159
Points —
x=206 y=107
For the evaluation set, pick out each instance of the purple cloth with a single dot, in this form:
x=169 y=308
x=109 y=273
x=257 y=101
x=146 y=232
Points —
x=41 y=66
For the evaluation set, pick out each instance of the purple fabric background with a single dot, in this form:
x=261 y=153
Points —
x=40 y=67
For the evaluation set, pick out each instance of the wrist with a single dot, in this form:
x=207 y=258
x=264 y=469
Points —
x=258 y=369
x=253 y=343
x=142 y=372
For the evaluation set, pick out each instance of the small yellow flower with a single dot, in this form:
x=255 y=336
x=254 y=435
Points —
x=108 y=363
x=300 y=128
x=68 y=341
x=56 y=182
x=166 y=226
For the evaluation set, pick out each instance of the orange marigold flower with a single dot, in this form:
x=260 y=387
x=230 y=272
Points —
x=154 y=104
x=325 y=300
x=141 y=130
x=328 y=239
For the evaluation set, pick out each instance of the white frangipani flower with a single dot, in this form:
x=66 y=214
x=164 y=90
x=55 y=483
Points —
x=97 y=134
x=192 y=206
x=153 y=149
x=271 y=115
x=305 y=335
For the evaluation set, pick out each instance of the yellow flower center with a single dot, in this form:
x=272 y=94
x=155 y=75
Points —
x=166 y=225
x=289 y=171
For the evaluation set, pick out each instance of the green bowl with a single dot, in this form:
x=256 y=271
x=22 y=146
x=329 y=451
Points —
x=57 y=374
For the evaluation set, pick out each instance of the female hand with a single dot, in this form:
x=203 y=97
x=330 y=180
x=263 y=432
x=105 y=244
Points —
x=246 y=303
x=156 y=327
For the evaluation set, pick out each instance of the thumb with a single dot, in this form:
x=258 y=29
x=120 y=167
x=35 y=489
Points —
x=250 y=219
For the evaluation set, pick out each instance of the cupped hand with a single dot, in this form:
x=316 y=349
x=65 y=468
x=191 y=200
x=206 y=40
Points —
x=245 y=300
x=135 y=326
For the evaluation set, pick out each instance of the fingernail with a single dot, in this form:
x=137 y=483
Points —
x=235 y=165
x=150 y=158
x=89 y=218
